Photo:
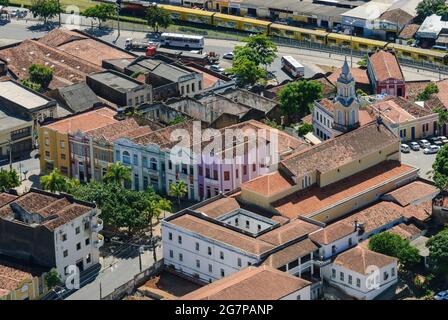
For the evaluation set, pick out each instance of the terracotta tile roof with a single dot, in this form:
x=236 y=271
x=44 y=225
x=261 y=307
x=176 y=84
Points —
x=290 y=253
x=6 y=198
x=71 y=56
x=327 y=104
x=420 y=212
x=341 y=150
x=11 y=276
x=358 y=259
x=117 y=130
x=162 y=137
x=328 y=87
x=443 y=92
x=59 y=209
x=376 y=216
x=413 y=88
x=288 y=232
x=308 y=119
x=221 y=234
x=332 y=233
x=268 y=185
x=85 y=121
x=409 y=31
x=217 y=208
x=406 y=231
x=251 y=283
x=360 y=76
x=397 y=16
x=365 y=117
x=304 y=203
x=398 y=110
x=412 y=192
x=385 y=66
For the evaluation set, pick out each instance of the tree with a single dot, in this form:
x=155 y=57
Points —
x=438 y=252
x=265 y=49
x=9 y=179
x=52 y=279
x=428 y=7
x=178 y=119
x=117 y=173
x=46 y=9
x=101 y=12
x=33 y=86
x=428 y=91
x=442 y=11
x=178 y=190
x=40 y=74
x=440 y=169
x=360 y=92
x=54 y=182
x=247 y=71
x=443 y=116
x=158 y=18
x=4 y=3
x=296 y=98
x=304 y=129
x=362 y=63
x=393 y=245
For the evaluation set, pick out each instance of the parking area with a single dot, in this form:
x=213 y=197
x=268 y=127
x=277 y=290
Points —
x=420 y=160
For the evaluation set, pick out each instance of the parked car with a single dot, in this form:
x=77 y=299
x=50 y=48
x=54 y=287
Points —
x=435 y=141
x=414 y=146
x=443 y=139
x=228 y=56
x=431 y=149
x=424 y=143
x=216 y=68
x=443 y=295
x=405 y=148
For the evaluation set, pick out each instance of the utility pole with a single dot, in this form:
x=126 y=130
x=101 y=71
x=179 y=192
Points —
x=118 y=16
x=59 y=9
x=101 y=291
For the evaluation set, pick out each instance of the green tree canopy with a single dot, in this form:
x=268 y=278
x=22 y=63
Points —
x=40 y=74
x=33 y=86
x=296 y=98
x=247 y=71
x=4 y=3
x=101 y=12
x=428 y=91
x=440 y=168
x=158 y=18
x=45 y=9
x=117 y=173
x=438 y=252
x=393 y=245
x=428 y=7
x=54 y=182
x=52 y=279
x=265 y=50
x=178 y=190
x=304 y=129
x=9 y=179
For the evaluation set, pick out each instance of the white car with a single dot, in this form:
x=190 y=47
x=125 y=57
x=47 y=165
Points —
x=228 y=55
x=443 y=139
x=414 y=146
x=217 y=68
x=424 y=143
x=431 y=149
x=405 y=148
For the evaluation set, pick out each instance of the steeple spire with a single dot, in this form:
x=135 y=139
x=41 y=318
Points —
x=345 y=75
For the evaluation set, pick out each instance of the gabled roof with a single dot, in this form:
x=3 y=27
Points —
x=78 y=97
x=385 y=66
x=290 y=253
x=252 y=283
x=412 y=193
x=361 y=260
x=332 y=233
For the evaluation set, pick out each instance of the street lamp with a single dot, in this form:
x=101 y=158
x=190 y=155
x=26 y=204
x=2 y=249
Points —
x=118 y=3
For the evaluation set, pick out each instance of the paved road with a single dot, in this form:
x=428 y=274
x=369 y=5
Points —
x=420 y=160
x=313 y=60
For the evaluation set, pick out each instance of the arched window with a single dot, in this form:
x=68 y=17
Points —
x=126 y=157
x=353 y=117
x=153 y=162
x=339 y=117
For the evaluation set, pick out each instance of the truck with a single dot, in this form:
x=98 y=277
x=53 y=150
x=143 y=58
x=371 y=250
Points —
x=207 y=58
x=132 y=44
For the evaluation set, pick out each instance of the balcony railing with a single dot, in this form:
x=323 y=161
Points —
x=100 y=241
x=98 y=226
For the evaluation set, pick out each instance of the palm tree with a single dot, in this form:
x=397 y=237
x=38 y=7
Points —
x=54 y=182
x=117 y=173
x=72 y=184
x=178 y=190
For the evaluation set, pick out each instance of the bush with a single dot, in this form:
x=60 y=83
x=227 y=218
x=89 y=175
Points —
x=304 y=129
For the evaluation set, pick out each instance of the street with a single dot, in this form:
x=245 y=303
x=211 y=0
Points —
x=420 y=160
